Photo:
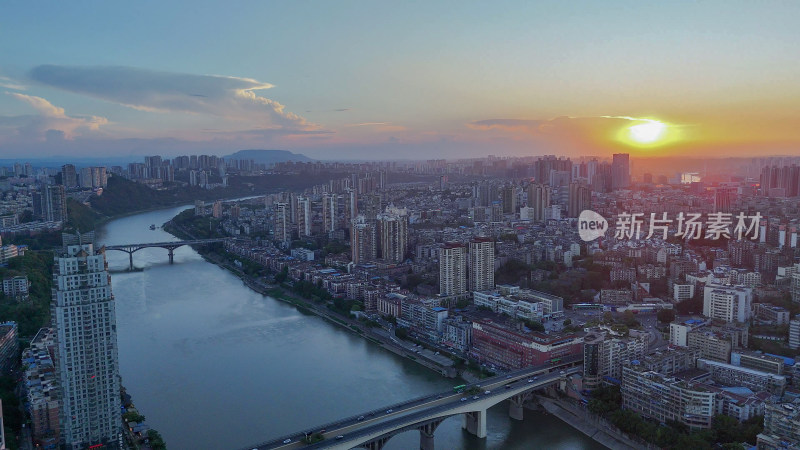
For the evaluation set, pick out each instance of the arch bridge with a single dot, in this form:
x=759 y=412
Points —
x=130 y=249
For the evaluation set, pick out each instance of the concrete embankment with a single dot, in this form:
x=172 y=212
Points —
x=578 y=420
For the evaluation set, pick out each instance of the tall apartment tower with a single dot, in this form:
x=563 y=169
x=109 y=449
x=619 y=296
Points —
x=539 y=199
x=303 y=216
x=69 y=176
x=580 y=198
x=481 y=264
x=51 y=203
x=393 y=236
x=87 y=363
x=452 y=269
x=794 y=333
x=329 y=208
x=282 y=225
x=620 y=171
x=363 y=242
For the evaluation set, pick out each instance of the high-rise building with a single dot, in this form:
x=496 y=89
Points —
x=393 y=235
x=795 y=288
x=216 y=210
x=481 y=264
x=86 y=353
x=603 y=356
x=722 y=200
x=303 y=216
x=580 y=198
x=509 y=198
x=51 y=203
x=794 y=333
x=726 y=302
x=452 y=269
x=69 y=176
x=539 y=200
x=620 y=171
x=282 y=224
x=363 y=242
x=329 y=211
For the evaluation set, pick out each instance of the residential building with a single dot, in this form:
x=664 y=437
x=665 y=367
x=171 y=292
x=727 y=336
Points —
x=87 y=362
x=282 y=224
x=363 y=240
x=767 y=313
x=664 y=399
x=730 y=375
x=758 y=361
x=41 y=388
x=604 y=353
x=9 y=346
x=393 y=236
x=580 y=198
x=781 y=427
x=481 y=264
x=728 y=303
x=16 y=287
x=794 y=333
x=452 y=269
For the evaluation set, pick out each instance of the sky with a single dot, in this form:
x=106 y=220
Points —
x=399 y=80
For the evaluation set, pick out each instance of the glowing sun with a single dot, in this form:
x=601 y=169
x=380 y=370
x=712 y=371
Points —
x=647 y=133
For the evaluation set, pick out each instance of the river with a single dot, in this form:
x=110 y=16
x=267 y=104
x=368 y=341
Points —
x=214 y=365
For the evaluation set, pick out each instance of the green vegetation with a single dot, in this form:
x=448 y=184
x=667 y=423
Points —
x=607 y=402
x=133 y=416
x=534 y=325
x=12 y=416
x=156 y=441
x=81 y=217
x=666 y=315
x=34 y=313
x=511 y=272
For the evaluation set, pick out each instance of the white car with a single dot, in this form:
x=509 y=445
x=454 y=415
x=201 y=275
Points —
x=286 y=441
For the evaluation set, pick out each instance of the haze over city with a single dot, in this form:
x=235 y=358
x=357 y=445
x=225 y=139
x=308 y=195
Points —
x=402 y=80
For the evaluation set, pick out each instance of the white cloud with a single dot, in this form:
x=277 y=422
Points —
x=231 y=98
x=51 y=121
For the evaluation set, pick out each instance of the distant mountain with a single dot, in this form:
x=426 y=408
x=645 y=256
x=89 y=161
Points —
x=269 y=156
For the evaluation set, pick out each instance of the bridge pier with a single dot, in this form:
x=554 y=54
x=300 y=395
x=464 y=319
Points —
x=475 y=423
x=515 y=405
x=426 y=435
x=130 y=260
x=376 y=444
x=171 y=255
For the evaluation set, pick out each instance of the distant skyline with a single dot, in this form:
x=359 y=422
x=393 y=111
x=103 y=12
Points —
x=408 y=80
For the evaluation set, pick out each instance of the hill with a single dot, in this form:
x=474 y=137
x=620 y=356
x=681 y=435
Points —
x=269 y=156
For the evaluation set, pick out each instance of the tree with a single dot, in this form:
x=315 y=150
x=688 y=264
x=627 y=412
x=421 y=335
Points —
x=567 y=322
x=534 y=325
x=666 y=315
x=281 y=276
x=133 y=416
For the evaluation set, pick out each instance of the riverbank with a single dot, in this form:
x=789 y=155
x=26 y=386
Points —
x=583 y=422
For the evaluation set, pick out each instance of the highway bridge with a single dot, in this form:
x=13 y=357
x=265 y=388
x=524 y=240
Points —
x=372 y=429
x=130 y=249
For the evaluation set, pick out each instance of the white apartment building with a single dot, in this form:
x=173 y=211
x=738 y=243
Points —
x=87 y=363
x=728 y=303
x=452 y=269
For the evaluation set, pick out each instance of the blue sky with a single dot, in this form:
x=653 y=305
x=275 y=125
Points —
x=393 y=79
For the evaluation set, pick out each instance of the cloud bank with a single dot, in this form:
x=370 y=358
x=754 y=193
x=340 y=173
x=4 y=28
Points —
x=52 y=122
x=229 y=97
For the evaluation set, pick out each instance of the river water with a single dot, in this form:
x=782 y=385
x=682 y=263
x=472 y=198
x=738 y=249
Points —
x=214 y=365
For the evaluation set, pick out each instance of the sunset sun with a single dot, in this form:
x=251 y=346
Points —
x=647 y=133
